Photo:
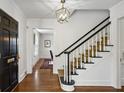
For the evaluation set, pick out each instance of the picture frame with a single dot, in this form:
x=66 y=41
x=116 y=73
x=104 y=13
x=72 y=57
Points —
x=47 y=43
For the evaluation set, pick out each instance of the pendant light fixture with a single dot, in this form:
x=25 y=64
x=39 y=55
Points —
x=63 y=13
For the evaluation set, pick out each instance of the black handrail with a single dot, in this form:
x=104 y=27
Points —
x=89 y=37
x=82 y=36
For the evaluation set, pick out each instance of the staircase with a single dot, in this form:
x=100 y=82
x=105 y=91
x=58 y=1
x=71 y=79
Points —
x=84 y=52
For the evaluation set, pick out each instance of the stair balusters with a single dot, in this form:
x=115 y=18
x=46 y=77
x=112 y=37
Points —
x=94 y=48
x=105 y=34
x=65 y=70
x=83 y=57
x=73 y=65
x=84 y=48
x=86 y=53
x=70 y=70
x=108 y=35
x=102 y=41
x=98 y=42
x=90 y=50
x=79 y=58
x=81 y=53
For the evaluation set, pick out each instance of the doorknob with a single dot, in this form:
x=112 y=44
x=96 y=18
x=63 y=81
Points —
x=18 y=57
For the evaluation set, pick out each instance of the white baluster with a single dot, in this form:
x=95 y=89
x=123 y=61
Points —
x=70 y=76
x=81 y=51
x=90 y=44
x=73 y=63
x=104 y=35
x=98 y=39
x=109 y=35
x=96 y=44
x=87 y=50
x=82 y=63
x=77 y=58
x=65 y=69
x=84 y=49
x=101 y=39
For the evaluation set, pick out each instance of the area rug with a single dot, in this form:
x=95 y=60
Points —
x=46 y=65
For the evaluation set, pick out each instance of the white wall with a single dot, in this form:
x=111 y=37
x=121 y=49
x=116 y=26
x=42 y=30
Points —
x=36 y=56
x=65 y=34
x=44 y=51
x=116 y=12
x=97 y=74
x=121 y=27
x=13 y=10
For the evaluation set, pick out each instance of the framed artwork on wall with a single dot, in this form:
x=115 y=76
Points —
x=47 y=43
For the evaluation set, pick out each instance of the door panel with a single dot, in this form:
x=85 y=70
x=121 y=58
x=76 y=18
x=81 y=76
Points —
x=8 y=51
x=4 y=65
x=13 y=52
x=0 y=60
x=5 y=79
x=13 y=72
x=5 y=43
x=13 y=44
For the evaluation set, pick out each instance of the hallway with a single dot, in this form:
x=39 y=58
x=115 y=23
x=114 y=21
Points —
x=42 y=80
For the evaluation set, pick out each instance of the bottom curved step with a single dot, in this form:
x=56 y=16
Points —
x=65 y=86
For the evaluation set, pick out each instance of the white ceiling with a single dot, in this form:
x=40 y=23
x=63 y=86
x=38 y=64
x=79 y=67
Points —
x=46 y=8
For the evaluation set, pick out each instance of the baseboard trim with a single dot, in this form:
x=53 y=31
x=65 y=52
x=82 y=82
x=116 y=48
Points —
x=93 y=83
x=22 y=76
x=14 y=88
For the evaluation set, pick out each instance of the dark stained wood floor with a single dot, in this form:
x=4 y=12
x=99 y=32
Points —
x=42 y=80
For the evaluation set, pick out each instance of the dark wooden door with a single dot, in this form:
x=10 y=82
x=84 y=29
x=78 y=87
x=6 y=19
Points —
x=4 y=56
x=13 y=66
x=0 y=60
x=8 y=52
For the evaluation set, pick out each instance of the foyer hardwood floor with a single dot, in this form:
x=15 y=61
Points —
x=42 y=80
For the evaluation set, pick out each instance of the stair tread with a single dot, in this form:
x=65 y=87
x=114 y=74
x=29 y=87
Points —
x=61 y=72
x=88 y=62
x=96 y=57
x=81 y=68
x=104 y=51
x=109 y=45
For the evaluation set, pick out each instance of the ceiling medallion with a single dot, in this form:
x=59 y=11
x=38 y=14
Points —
x=63 y=13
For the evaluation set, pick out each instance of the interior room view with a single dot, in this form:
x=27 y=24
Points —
x=61 y=46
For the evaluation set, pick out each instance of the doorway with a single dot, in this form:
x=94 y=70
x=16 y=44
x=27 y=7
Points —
x=46 y=38
x=121 y=50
